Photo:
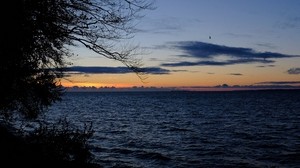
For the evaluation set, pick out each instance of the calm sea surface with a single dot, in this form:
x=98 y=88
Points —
x=189 y=129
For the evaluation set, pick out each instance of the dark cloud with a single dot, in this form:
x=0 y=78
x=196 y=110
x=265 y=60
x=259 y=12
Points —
x=267 y=45
x=262 y=86
x=208 y=51
x=97 y=70
x=156 y=70
x=279 y=82
x=222 y=86
x=217 y=63
x=236 y=74
x=294 y=71
x=114 y=70
x=180 y=70
x=264 y=66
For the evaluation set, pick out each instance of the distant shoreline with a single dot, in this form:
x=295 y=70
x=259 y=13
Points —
x=132 y=91
x=218 y=88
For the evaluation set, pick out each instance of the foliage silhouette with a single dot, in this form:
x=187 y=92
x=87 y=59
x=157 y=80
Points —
x=35 y=40
x=59 y=144
x=62 y=141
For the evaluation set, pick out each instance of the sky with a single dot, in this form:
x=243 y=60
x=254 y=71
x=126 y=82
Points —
x=205 y=45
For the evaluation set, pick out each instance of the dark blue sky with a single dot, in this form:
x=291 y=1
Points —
x=200 y=42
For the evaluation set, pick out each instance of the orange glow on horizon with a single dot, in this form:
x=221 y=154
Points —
x=91 y=84
x=183 y=80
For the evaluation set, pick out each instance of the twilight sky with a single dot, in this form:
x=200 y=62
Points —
x=206 y=45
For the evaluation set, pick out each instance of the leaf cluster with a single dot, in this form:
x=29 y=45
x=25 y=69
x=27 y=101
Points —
x=62 y=141
x=35 y=40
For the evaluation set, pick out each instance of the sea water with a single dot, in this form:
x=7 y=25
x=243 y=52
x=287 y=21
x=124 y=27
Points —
x=188 y=129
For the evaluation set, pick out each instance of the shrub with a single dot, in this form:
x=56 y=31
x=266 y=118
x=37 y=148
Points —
x=62 y=141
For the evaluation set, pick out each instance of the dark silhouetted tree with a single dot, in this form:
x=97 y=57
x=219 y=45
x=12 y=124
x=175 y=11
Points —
x=35 y=40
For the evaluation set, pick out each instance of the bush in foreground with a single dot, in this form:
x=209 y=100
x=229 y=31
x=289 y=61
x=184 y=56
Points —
x=49 y=145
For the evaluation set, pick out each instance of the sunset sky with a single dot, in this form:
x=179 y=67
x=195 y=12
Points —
x=206 y=44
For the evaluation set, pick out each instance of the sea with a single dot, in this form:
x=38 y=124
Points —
x=180 y=129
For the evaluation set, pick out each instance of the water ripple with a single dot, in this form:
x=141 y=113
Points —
x=189 y=129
